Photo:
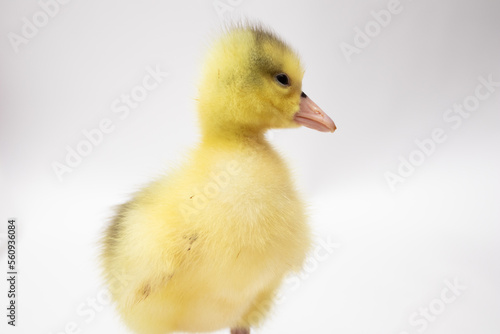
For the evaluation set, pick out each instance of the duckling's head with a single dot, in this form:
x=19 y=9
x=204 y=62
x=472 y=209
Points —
x=252 y=82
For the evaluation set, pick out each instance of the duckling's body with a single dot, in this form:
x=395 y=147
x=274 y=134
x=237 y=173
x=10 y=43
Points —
x=207 y=246
x=215 y=257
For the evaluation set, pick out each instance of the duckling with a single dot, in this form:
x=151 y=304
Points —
x=207 y=246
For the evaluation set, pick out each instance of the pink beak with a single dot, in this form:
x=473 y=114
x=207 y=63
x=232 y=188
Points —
x=312 y=116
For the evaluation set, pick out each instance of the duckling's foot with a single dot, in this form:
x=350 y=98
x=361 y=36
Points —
x=240 y=330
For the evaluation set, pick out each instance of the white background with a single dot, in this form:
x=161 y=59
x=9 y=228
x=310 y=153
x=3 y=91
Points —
x=394 y=248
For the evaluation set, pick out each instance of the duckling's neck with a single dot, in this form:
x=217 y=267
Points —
x=235 y=136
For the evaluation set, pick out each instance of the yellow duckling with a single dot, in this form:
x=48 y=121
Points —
x=207 y=246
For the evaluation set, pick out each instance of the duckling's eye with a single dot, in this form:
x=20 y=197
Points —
x=282 y=78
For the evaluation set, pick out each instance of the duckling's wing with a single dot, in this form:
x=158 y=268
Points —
x=138 y=257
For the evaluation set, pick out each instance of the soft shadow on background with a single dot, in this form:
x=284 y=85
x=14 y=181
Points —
x=403 y=197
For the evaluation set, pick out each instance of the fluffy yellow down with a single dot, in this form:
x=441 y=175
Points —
x=206 y=246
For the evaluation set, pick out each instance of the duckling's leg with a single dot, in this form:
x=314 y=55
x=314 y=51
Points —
x=240 y=330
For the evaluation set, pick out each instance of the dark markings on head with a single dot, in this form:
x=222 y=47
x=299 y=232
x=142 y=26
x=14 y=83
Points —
x=261 y=62
x=262 y=35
